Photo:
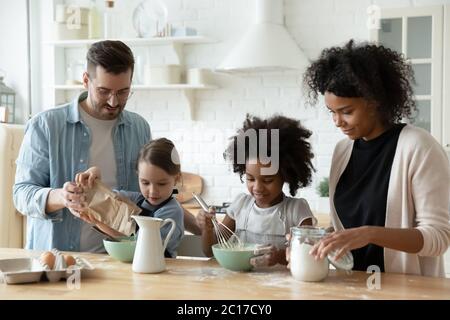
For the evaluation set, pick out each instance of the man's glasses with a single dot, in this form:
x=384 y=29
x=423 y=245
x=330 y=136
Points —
x=105 y=94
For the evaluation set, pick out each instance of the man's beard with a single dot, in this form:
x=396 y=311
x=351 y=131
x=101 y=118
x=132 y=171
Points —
x=110 y=114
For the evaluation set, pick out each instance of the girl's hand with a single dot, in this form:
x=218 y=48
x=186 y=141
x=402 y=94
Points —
x=288 y=250
x=84 y=215
x=270 y=257
x=100 y=225
x=89 y=218
x=204 y=219
x=87 y=178
x=341 y=241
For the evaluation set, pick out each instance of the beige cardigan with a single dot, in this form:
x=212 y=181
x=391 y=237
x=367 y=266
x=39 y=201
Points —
x=418 y=197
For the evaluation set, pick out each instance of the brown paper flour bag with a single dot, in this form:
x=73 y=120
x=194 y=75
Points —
x=111 y=209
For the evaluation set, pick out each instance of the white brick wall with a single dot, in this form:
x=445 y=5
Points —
x=313 y=24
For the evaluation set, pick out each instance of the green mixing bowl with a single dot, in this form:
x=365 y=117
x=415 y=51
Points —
x=123 y=250
x=237 y=259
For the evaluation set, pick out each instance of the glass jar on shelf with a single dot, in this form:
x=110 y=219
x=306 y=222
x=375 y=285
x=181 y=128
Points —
x=94 y=22
x=7 y=101
x=74 y=72
x=110 y=21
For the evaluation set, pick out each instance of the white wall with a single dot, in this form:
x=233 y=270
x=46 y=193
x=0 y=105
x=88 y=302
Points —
x=314 y=25
x=13 y=52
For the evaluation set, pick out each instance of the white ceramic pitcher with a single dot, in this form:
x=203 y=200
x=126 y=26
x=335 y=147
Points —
x=149 y=254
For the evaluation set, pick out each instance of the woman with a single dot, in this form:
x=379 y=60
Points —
x=389 y=181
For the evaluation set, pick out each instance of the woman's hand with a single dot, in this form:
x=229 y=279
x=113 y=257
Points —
x=341 y=242
x=204 y=219
x=87 y=178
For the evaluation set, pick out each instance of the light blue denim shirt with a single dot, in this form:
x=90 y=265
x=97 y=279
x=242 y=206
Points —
x=55 y=148
x=171 y=209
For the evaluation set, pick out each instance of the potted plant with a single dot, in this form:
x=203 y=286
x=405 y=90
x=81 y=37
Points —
x=323 y=203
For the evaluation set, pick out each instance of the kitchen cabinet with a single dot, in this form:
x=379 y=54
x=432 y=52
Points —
x=419 y=33
x=446 y=82
x=12 y=222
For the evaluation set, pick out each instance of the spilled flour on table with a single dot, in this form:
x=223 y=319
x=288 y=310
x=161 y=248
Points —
x=202 y=274
x=273 y=279
x=104 y=263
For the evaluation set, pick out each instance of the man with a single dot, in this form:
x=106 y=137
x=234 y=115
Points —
x=94 y=129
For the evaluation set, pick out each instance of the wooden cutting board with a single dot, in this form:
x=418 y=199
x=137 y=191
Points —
x=190 y=183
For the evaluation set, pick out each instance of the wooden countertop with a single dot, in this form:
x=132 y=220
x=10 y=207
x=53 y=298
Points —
x=194 y=279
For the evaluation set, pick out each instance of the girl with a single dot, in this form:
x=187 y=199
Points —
x=158 y=173
x=389 y=181
x=265 y=215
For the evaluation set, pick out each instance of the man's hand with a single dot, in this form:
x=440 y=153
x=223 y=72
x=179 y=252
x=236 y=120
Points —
x=87 y=178
x=69 y=196
x=73 y=196
x=75 y=200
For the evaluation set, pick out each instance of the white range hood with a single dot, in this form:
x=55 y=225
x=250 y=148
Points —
x=266 y=46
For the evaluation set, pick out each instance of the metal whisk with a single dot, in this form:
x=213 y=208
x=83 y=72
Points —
x=225 y=236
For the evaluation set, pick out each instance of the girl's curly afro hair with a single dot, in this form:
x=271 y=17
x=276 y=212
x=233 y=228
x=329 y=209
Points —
x=295 y=155
x=370 y=71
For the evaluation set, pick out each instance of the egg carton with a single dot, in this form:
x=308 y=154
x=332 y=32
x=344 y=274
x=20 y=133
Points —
x=28 y=270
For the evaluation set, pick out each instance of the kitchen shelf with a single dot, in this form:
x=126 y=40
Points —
x=149 y=87
x=135 y=41
x=175 y=87
x=188 y=90
x=176 y=44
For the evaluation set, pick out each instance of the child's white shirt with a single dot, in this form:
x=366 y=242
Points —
x=267 y=225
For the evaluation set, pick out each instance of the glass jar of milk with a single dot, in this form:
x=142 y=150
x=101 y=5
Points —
x=304 y=266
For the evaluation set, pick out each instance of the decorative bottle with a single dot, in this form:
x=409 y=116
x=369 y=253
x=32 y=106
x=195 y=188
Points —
x=109 y=20
x=94 y=22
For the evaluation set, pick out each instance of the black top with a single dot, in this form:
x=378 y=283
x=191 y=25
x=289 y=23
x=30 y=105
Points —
x=361 y=193
x=148 y=210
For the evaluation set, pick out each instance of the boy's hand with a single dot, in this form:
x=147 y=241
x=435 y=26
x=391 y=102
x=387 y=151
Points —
x=87 y=178
x=204 y=219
